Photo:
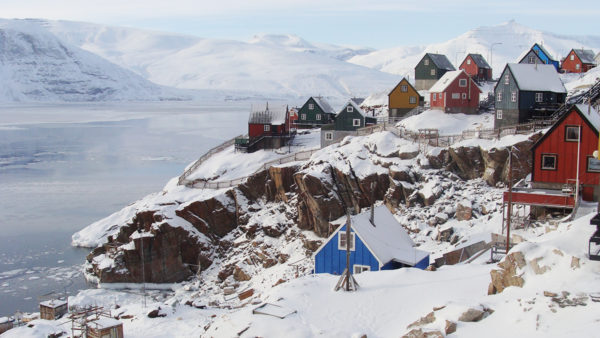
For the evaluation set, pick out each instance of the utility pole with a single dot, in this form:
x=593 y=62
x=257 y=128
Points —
x=347 y=281
x=509 y=199
x=143 y=266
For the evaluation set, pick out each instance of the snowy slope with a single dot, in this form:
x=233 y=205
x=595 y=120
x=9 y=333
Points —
x=271 y=64
x=509 y=41
x=37 y=66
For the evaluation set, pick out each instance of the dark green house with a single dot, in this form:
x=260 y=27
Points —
x=315 y=112
x=525 y=92
x=430 y=69
x=347 y=121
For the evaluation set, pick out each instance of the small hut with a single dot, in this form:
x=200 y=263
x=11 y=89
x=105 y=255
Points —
x=53 y=309
x=105 y=327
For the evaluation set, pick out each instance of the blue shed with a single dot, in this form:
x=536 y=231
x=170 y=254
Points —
x=383 y=246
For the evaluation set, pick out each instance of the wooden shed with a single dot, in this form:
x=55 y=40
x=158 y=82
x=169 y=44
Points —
x=104 y=327
x=477 y=67
x=379 y=245
x=578 y=61
x=455 y=92
x=53 y=309
x=403 y=99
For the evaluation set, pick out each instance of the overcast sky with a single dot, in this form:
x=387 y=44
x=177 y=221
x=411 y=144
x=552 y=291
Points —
x=376 y=23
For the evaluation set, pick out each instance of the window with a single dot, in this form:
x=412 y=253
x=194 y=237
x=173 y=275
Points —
x=455 y=96
x=506 y=79
x=342 y=240
x=468 y=61
x=531 y=59
x=267 y=127
x=577 y=66
x=593 y=165
x=426 y=62
x=499 y=96
x=572 y=57
x=329 y=136
x=361 y=268
x=404 y=88
x=412 y=99
x=434 y=97
x=311 y=106
x=513 y=97
x=433 y=71
x=302 y=116
x=318 y=117
x=539 y=97
x=349 y=109
x=356 y=122
x=498 y=114
x=462 y=82
x=549 y=161
x=571 y=133
x=464 y=96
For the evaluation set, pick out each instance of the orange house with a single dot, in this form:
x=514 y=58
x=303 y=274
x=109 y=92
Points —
x=578 y=61
x=403 y=98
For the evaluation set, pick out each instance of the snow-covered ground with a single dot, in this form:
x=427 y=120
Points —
x=448 y=124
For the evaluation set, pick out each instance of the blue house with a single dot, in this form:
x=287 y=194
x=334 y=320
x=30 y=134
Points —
x=382 y=246
x=538 y=55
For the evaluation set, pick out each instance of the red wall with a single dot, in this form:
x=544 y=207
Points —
x=569 y=66
x=472 y=69
x=567 y=155
x=256 y=130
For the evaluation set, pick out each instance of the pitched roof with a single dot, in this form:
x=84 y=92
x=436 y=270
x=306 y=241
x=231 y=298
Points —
x=356 y=108
x=358 y=100
x=441 y=61
x=446 y=80
x=543 y=51
x=408 y=83
x=588 y=113
x=267 y=114
x=479 y=61
x=323 y=104
x=387 y=240
x=536 y=77
x=585 y=55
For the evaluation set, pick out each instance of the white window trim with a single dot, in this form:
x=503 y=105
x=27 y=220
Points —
x=318 y=117
x=498 y=114
x=577 y=66
x=350 y=109
x=539 y=97
x=499 y=96
x=412 y=99
x=555 y=156
x=404 y=88
x=468 y=61
x=506 y=79
x=464 y=96
x=356 y=122
x=358 y=268
x=567 y=139
x=267 y=127
x=343 y=247
x=455 y=96
x=328 y=136
x=462 y=82
x=426 y=62
x=432 y=72
x=572 y=57
x=311 y=106
x=303 y=116
x=513 y=97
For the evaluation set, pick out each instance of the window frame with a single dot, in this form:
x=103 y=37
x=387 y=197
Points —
x=506 y=79
x=353 y=240
x=362 y=268
x=356 y=122
x=412 y=99
x=539 y=97
x=464 y=96
x=455 y=96
x=303 y=116
x=498 y=114
x=350 y=109
x=266 y=127
x=468 y=61
x=531 y=59
x=462 y=82
x=432 y=72
x=587 y=167
x=499 y=96
x=549 y=155
x=318 y=117
x=513 y=96
x=311 y=106
x=328 y=136
x=571 y=126
x=572 y=57
x=404 y=88
x=426 y=62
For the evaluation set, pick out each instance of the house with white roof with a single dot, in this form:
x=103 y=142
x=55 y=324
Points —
x=525 y=92
x=315 y=112
x=455 y=92
x=375 y=244
x=350 y=118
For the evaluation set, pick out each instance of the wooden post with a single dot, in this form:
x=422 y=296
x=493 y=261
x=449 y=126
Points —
x=508 y=216
x=348 y=233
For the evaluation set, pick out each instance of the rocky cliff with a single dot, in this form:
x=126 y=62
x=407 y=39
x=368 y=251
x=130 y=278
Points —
x=185 y=231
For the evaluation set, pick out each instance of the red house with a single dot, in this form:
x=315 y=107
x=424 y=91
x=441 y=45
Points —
x=268 y=121
x=476 y=67
x=555 y=154
x=578 y=61
x=455 y=92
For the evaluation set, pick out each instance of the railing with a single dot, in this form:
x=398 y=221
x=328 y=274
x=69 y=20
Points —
x=298 y=156
x=204 y=157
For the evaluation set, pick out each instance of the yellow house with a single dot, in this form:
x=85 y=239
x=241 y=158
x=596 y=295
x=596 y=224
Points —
x=403 y=98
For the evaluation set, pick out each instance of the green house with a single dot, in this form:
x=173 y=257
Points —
x=430 y=69
x=351 y=117
x=315 y=112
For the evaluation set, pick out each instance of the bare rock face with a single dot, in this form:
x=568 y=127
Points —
x=240 y=275
x=464 y=211
x=467 y=162
x=428 y=319
x=317 y=204
x=439 y=160
x=211 y=217
x=419 y=333
x=521 y=160
x=471 y=315
x=494 y=161
x=507 y=274
x=450 y=327
x=280 y=183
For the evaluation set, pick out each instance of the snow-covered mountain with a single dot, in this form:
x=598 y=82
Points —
x=498 y=44
x=37 y=66
x=274 y=65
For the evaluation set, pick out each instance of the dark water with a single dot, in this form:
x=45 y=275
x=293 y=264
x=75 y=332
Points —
x=64 y=167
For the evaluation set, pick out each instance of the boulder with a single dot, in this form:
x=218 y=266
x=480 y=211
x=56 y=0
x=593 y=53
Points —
x=419 y=333
x=471 y=315
x=428 y=319
x=450 y=327
x=464 y=211
x=467 y=162
x=507 y=274
x=240 y=275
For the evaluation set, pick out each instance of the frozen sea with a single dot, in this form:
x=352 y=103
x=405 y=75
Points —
x=65 y=166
